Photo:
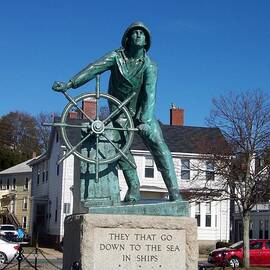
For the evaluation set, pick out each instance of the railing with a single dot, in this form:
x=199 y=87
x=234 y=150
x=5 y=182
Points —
x=21 y=262
x=12 y=219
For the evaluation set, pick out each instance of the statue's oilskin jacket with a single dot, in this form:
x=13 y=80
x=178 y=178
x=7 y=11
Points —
x=127 y=76
x=139 y=76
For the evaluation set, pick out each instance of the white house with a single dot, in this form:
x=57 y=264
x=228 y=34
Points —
x=52 y=197
x=260 y=213
x=52 y=183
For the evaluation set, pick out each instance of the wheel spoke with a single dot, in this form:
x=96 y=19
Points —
x=97 y=95
x=97 y=86
x=97 y=160
x=76 y=105
x=64 y=125
x=118 y=110
x=74 y=148
x=97 y=108
x=119 y=150
x=121 y=129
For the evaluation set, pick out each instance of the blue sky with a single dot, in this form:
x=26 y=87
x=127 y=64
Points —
x=202 y=48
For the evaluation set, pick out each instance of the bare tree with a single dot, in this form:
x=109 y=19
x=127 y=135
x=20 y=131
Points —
x=43 y=131
x=244 y=120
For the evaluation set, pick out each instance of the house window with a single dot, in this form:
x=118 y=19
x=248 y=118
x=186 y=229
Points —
x=43 y=176
x=25 y=199
x=149 y=167
x=185 y=169
x=55 y=215
x=47 y=176
x=26 y=183
x=261 y=229
x=266 y=232
x=8 y=184
x=208 y=214
x=1 y=184
x=24 y=222
x=198 y=213
x=12 y=207
x=56 y=209
x=57 y=137
x=14 y=184
x=57 y=169
x=66 y=208
x=38 y=177
x=209 y=173
x=251 y=230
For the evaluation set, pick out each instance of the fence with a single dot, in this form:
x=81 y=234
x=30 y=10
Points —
x=23 y=262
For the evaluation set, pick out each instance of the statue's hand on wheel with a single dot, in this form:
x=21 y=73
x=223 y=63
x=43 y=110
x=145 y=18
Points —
x=61 y=86
x=143 y=128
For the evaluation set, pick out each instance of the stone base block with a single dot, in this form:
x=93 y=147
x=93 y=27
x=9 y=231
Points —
x=130 y=242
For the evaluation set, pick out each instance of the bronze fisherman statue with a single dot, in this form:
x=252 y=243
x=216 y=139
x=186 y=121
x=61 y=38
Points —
x=133 y=71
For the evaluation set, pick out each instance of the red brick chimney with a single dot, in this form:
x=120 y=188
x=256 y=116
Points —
x=89 y=107
x=176 y=116
x=73 y=115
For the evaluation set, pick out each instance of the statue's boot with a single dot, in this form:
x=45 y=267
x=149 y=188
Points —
x=170 y=181
x=133 y=194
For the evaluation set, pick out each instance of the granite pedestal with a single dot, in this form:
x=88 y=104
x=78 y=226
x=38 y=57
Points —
x=130 y=242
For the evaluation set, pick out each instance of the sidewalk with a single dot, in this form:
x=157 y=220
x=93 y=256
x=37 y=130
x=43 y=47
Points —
x=52 y=253
x=203 y=257
x=49 y=253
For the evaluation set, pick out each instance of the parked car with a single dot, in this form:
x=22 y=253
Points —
x=259 y=252
x=9 y=232
x=8 y=250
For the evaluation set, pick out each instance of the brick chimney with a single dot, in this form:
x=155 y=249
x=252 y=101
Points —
x=89 y=107
x=176 y=116
x=73 y=115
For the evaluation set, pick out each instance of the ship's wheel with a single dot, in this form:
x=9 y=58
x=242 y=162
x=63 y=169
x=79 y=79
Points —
x=94 y=129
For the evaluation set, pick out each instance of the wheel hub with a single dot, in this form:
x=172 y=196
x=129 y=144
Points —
x=97 y=127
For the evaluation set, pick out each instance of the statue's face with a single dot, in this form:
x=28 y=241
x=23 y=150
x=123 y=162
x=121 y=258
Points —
x=137 y=38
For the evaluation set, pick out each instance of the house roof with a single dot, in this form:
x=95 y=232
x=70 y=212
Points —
x=186 y=139
x=19 y=168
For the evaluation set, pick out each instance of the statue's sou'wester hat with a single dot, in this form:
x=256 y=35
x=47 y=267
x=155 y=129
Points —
x=133 y=26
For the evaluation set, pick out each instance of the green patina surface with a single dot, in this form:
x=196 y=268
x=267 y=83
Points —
x=176 y=208
x=104 y=191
